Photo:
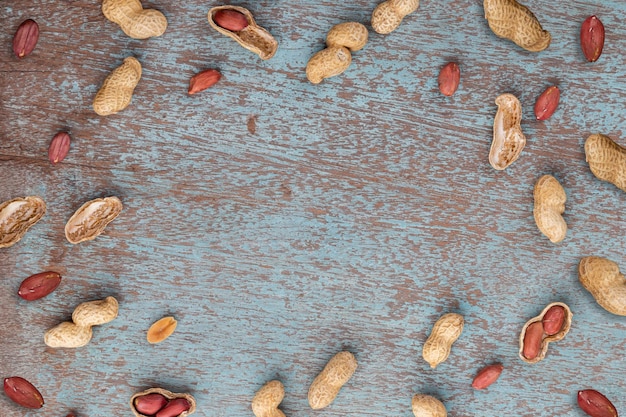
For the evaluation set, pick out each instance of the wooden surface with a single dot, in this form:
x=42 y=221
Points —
x=281 y=222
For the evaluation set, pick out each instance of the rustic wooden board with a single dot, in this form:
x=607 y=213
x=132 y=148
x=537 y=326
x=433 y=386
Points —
x=281 y=221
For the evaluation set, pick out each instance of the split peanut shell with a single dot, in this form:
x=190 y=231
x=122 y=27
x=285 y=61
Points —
x=167 y=394
x=253 y=37
x=91 y=218
x=508 y=139
x=546 y=339
x=17 y=216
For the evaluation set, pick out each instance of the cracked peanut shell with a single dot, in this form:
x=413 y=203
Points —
x=90 y=220
x=508 y=139
x=17 y=216
x=253 y=37
x=167 y=394
x=545 y=339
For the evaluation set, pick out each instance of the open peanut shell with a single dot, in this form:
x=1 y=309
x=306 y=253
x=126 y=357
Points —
x=546 y=339
x=253 y=37
x=167 y=394
x=508 y=139
x=91 y=218
x=17 y=216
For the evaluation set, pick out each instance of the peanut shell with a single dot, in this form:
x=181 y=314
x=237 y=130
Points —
x=511 y=20
x=133 y=19
x=90 y=220
x=68 y=335
x=388 y=15
x=167 y=394
x=603 y=279
x=545 y=341
x=606 y=159
x=118 y=87
x=508 y=139
x=337 y=372
x=445 y=332
x=17 y=216
x=253 y=37
x=424 y=405
x=549 y=206
x=267 y=399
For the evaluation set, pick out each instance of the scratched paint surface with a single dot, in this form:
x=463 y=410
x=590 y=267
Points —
x=281 y=222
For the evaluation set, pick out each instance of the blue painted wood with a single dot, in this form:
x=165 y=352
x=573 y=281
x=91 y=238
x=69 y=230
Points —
x=281 y=222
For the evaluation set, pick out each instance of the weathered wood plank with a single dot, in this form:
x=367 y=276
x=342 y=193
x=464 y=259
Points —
x=280 y=221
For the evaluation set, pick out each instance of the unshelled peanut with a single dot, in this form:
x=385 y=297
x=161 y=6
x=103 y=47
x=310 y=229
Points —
x=266 y=401
x=78 y=332
x=511 y=20
x=335 y=375
x=549 y=206
x=547 y=102
x=553 y=320
x=606 y=159
x=133 y=19
x=336 y=58
x=39 y=285
x=532 y=340
x=424 y=405
x=603 y=279
x=449 y=78
x=150 y=404
x=445 y=332
x=388 y=15
x=118 y=88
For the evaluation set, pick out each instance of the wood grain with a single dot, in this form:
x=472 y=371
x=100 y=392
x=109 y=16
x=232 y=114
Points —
x=280 y=222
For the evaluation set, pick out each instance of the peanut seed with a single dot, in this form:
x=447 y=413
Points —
x=25 y=38
x=161 y=330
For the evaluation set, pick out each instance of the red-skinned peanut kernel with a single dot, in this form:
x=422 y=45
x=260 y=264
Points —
x=592 y=38
x=23 y=392
x=487 y=376
x=449 y=78
x=532 y=340
x=150 y=404
x=174 y=408
x=25 y=38
x=547 y=102
x=595 y=404
x=553 y=320
x=39 y=285
x=230 y=20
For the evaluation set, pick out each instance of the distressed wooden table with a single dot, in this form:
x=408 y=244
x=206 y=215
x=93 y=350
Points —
x=281 y=222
